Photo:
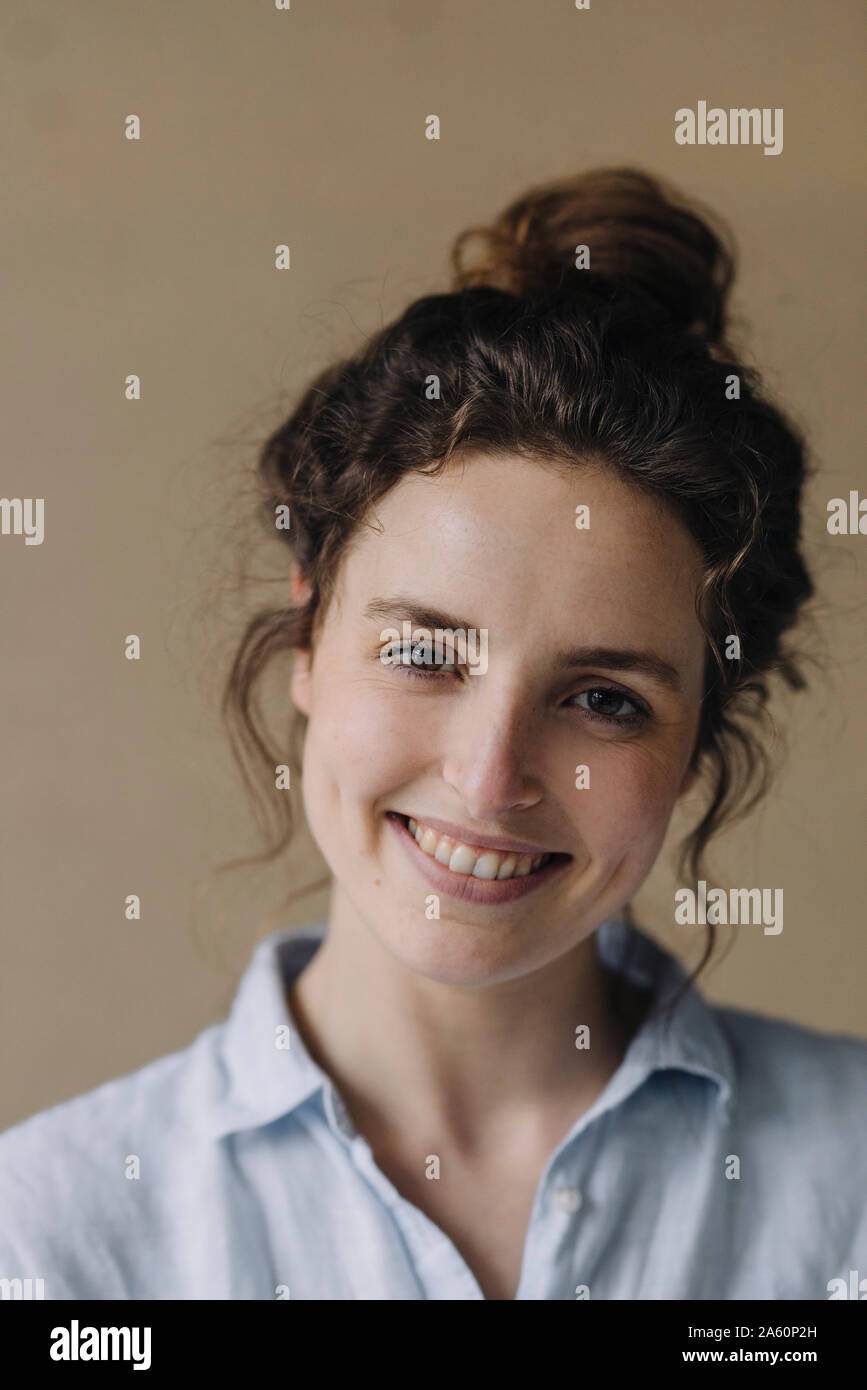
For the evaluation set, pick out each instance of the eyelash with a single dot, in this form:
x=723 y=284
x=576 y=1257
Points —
x=641 y=715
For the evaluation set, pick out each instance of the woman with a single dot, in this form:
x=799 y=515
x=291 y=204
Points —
x=544 y=543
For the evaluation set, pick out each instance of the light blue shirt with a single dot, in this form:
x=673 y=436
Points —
x=230 y=1169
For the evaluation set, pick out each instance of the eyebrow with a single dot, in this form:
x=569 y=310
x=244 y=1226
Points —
x=404 y=607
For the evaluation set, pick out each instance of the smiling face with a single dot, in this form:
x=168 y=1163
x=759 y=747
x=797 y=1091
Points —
x=595 y=660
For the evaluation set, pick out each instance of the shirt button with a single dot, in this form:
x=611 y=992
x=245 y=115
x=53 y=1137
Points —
x=567 y=1198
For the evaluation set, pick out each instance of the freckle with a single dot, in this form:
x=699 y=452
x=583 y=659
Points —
x=377 y=882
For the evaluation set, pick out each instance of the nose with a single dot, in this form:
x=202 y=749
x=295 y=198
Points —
x=489 y=755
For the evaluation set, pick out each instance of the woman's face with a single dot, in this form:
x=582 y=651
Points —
x=594 y=661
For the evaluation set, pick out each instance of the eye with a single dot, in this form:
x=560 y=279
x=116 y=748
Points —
x=607 y=703
x=408 y=659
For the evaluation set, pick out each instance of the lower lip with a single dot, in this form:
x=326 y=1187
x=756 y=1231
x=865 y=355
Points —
x=465 y=886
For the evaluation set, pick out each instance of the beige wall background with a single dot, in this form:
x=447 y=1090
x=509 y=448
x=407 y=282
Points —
x=156 y=257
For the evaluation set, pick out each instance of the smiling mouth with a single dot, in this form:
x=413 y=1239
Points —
x=475 y=861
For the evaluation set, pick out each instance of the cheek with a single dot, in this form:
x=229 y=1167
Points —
x=628 y=805
x=361 y=741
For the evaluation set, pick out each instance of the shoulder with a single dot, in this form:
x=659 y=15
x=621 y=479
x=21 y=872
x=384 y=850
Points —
x=790 y=1075
x=799 y=1129
x=777 y=1045
x=70 y=1201
x=165 y=1091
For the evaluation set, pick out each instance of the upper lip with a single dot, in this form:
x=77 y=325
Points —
x=470 y=837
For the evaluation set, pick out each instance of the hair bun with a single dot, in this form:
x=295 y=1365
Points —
x=639 y=233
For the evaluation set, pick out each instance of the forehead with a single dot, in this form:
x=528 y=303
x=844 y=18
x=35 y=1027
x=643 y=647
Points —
x=498 y=531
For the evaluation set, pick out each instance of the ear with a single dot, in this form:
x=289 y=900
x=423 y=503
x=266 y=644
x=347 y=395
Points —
x=301 y=587
x=689 y=779
x=299 y=681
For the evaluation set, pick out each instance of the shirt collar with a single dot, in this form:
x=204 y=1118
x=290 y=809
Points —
x=689 y=1038
x=266 y=1072
x=262 y=1077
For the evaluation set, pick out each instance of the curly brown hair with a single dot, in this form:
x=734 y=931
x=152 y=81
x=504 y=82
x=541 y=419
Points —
x=625 y=362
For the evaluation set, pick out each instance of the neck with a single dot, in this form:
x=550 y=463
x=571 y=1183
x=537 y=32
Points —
x=468 y=1064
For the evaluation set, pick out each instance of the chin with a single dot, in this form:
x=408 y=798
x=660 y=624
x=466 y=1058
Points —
x=467 y=954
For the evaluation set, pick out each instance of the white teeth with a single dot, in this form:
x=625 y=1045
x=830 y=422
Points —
x=487 y=866
x=428 y=839
x=472 y=860
x=462 y=861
